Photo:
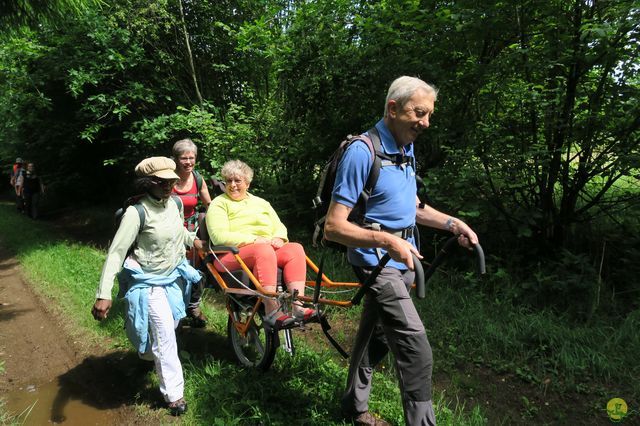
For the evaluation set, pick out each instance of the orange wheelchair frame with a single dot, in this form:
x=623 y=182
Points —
x=254 y=341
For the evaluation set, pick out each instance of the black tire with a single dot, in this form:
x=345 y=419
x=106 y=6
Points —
x=258 y=348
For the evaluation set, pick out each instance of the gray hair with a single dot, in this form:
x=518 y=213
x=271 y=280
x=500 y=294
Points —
x=237 y=168
x=182 y=146
x=403 y=88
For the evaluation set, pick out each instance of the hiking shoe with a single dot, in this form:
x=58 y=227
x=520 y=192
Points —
x=305 y=315
x=178 y=408
x=368 y=419
x=279 y=320
x=198 y=319
x=147 y=356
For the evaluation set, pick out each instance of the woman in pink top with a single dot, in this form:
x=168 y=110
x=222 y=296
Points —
x=185 y=153
x=191 y=187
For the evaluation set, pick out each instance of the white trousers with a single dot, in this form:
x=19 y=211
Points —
x=164 y=346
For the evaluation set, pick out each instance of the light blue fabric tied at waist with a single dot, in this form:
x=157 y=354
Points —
x=136 y=283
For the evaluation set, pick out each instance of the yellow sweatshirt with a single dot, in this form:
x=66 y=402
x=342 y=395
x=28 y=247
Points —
x=234 y=223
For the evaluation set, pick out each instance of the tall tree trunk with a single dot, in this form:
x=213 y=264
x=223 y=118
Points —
x=191 y=65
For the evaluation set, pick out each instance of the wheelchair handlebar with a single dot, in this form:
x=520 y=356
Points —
x=370 y=279
x=442 y=254
x=421 y=284
x=422 y=276
x=316 y=289
x=419 y=278
x=477 y=248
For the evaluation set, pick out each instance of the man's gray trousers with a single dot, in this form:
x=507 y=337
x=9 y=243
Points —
x=390 y=320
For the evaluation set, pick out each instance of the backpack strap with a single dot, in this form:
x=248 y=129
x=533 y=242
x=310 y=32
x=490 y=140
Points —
x=380 y=159
x=375 y=147
x=217 y=187
x=178 y=202
x=198 y=177
x=141 y=215
x=374 y=172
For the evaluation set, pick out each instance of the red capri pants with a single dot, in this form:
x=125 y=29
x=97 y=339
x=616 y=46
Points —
x=264 y=261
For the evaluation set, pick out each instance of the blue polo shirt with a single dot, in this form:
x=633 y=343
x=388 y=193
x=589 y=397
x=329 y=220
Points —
x=393 y=201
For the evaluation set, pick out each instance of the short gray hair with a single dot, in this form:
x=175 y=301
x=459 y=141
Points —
x=403 y=88
x=237 y=168
x=182 y=146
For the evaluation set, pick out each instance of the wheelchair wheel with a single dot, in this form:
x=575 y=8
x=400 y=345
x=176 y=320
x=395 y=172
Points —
x=257 y=349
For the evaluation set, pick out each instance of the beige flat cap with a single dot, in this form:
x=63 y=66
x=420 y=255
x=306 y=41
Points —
x=161 y=167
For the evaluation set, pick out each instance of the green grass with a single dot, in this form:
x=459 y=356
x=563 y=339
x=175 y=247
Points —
x=307 y=386
x=6 y=418
x=464 y=325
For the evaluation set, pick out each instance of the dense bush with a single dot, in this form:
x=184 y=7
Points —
x=534 y=141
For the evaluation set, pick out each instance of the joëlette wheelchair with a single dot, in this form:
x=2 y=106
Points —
x=254 y=342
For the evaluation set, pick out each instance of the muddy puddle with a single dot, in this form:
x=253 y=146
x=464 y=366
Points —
x=49 y=403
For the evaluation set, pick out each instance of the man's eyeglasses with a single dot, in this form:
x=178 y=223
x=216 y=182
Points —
x=418 y=112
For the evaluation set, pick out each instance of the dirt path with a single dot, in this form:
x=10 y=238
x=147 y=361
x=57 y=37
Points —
x=48 y=377
x=28 y=334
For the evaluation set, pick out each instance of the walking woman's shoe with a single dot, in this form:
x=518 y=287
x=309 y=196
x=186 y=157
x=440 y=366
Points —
x=198 y=319
x=178 y=408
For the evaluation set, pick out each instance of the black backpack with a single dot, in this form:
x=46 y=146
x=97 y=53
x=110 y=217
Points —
x=217 y=187
x=328 y=177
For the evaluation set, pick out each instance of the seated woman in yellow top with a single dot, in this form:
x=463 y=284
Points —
x=238 y=218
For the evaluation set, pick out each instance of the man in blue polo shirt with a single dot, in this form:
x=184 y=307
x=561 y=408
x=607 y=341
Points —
x=389 y=316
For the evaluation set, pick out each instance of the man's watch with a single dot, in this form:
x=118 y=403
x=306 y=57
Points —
x=450 y=224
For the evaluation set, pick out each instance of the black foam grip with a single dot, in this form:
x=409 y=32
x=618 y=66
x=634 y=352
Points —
x=421 y=288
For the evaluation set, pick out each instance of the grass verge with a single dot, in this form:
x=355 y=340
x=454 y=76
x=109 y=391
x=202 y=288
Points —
x=303 y=389
x=541 y=350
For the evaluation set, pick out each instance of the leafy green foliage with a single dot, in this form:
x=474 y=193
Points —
x=29 y=12
x=535 y=136
x=218 y=137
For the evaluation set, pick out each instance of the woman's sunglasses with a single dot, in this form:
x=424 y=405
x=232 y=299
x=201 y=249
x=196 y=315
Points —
x=163 y=182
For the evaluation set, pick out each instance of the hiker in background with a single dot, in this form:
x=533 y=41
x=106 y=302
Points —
x=14 y=171
x=156 y=275
x=16 y=183
x=191 y=188
x=31 y=189
x=392 y=210
x=238 y=218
